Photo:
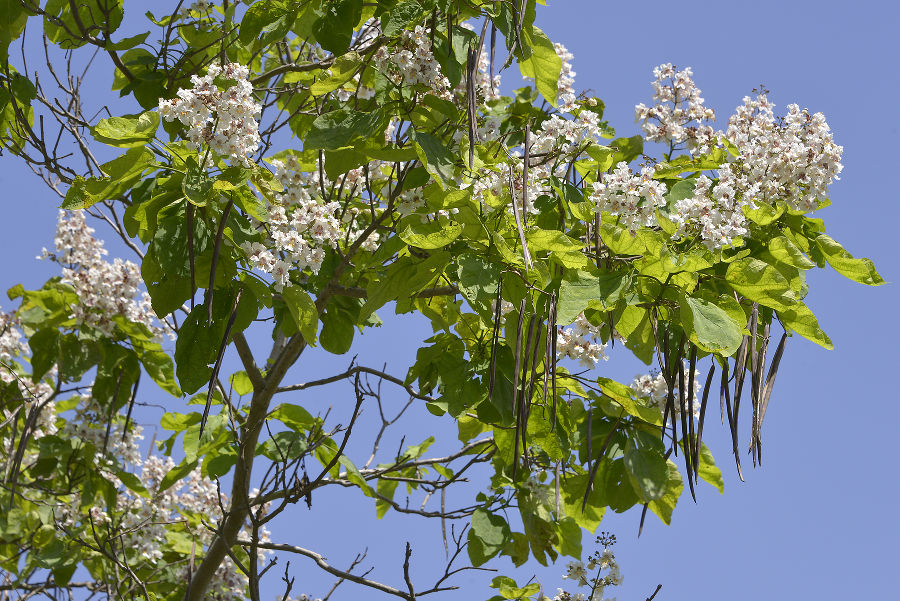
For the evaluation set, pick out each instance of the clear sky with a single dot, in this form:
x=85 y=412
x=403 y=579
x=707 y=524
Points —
x=816 y=521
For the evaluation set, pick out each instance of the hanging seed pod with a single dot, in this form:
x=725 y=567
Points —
x=706 y=389
x=495 y=336
x=219 y=356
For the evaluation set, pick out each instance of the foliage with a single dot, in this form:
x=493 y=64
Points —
x=300 y=166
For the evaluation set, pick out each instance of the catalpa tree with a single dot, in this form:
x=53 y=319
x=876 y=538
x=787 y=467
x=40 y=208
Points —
x=282 y=170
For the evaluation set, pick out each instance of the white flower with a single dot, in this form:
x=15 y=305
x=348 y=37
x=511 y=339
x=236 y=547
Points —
x=223 y=120
x=580 y=342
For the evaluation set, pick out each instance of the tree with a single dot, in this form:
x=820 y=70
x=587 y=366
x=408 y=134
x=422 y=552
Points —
x=526 y=234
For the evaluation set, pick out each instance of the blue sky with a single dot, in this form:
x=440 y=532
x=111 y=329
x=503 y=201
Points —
x=816 y=520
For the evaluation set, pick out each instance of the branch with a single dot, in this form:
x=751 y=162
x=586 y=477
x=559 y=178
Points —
x=320 y=561
x=354 y=371
x=363 y=293
x=246 y=355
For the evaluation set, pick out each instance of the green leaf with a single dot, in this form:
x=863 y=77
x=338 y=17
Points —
x=582 y=289
x=800 y=319
x=710 y=327
x=572 y=492
x=478 y=279
x=338 y=128
x=544 y=66
x=623 y=396
x=241 y=384
x=404 y=13
x=646 y=467
x=508 y=588
x=764 y=214
x=131 y=482
x=334 y=29
x=627 y=149
x=858 y=270
x=665 y=505
x=294 y=417
x=569 y=537
x=386 y=489
x=127 y=131
x=342 y=71
x=120 y=175
x=197 y=185
x=303 y=311
x=787 y=252
x=438 y=160
x=431 y=234
x=266 y=21
x=760 y=282
x=487 y=536
x=707 y=469
x=284 y=445
x=175 y=474
x=158 y=365
x=178 y=422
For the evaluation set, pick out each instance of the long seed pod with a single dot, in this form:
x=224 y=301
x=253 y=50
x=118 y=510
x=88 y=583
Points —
x=495 y=336
x=553 y=341
x=518 y=219
x=112 y=408
x=592 y=467
x=770 y=383
x=215 y=260
x=471 y=66
x=219 y=357
x=449 y=34
x=190 y=245
x=473 y=56
x=525 y=162
x=522 y=404
x=706 y=389
x=685 y=434
x=131 y=405
x=518 y=365
x=756 y=446
x=732 y=424
x=493 y=47
x=754 y=378
x=690 y=403
x=27 y=430
x=548 y=361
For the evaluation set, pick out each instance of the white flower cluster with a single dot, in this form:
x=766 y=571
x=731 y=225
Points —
x=302 y=597
x=354 y=88
x=633 y=198
x=579 y=572
x=565 y=95
x=225 y=121
x=105 y=290
x=203 y=6
x=412 y=63
x=145 y=522
x=89 y=425
x=35 y=394
x=793 y=160
x=715 y=212
x=678 y=105
x=299 y=228
x=654 y=389
x=11 y=345
x=580 y=342
x=566 y=135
